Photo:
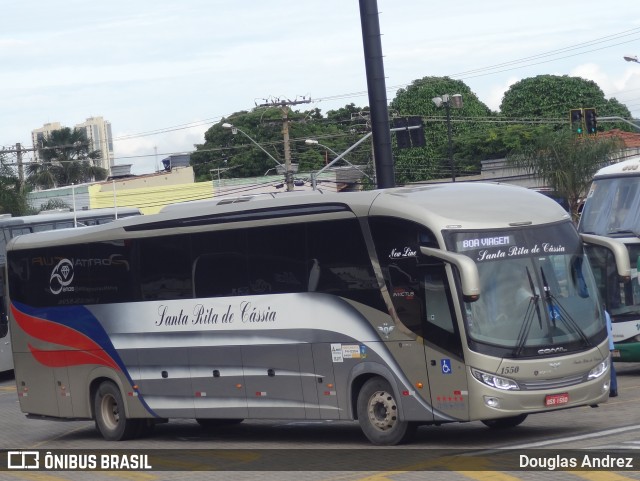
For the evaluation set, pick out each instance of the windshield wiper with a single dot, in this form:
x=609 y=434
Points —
x=525 y=328
x=556 y=311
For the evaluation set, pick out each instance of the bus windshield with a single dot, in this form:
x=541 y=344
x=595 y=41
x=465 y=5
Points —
x=612 y=208
x=538 y=294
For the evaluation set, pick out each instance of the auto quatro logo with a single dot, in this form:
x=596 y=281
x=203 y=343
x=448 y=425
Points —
x=386 y=329
x=61 y=277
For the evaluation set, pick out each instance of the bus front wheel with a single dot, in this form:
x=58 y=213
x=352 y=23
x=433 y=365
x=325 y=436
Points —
x=378 y=414
x=111 y=420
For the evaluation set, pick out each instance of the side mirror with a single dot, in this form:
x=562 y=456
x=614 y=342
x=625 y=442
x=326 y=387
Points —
x=468 y=270
x=617 y=248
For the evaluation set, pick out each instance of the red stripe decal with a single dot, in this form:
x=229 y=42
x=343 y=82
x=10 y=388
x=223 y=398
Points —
x=83 y=350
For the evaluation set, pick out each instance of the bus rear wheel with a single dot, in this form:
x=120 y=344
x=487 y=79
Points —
x=505 y=423
x=378 y=414
x=111 y=420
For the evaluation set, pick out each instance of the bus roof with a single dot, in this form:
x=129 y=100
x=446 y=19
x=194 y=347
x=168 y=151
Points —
x=440 y=206
x=52 y=216
x=630 y=166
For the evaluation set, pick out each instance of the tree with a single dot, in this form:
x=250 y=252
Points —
x=13 y=197
x=65 y=159
x=55 y=204
x=566 y=162
x=432 y=161
x=497 y=141
x=553 y=96
x=237 y=156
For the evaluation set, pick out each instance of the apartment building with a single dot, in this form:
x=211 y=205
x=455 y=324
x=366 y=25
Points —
x=98 y=133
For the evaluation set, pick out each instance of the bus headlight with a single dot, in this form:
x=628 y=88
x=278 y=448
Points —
x=599 y=370
x=495 y=381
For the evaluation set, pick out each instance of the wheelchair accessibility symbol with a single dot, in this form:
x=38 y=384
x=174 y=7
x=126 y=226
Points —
x=445 y=365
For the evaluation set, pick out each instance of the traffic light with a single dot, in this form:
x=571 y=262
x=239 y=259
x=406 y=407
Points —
x=402 y=136
x=417 y=135
x=576 y=118
x=590 y=122
x=409 y=137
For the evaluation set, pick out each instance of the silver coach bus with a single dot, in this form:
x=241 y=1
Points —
x=396 y=308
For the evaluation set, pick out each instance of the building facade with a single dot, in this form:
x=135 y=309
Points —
x=39 y=135
x=100 y=138
x=98 y=133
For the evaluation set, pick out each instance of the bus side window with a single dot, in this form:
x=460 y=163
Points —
x=220 y=266
x=440 y=326
x=165 y=268
x=277 y=262
x=42 y=227
x=63 y=225
x=16 y=231
x=418 y=286
x=219 y=275
x=339 y=263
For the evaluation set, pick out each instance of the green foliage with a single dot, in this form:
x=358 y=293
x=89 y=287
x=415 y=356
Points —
x=432 y=161
x=13 y=196
x=65 y=159
x=54 y=204
x=237 y=155
x=541 y=103
x=497 y=141
x=553 y=96
x=566 y=162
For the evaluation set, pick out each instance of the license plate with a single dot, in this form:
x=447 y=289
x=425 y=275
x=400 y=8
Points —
x=556 y=399
x=615 y=353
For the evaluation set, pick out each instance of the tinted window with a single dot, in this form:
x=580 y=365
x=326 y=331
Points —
x=75 y=274
x=277 y=260
x=340 y=263
x=220 y=266
x=417 y=284
x=110 y=272
x=165 y=268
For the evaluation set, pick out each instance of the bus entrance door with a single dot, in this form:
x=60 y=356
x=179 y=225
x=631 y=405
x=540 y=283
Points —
x=443 y=348
x=448 y=384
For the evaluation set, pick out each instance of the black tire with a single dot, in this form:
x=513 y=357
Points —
x=378 y=414
x=505 y=423
x=111 y=420
x=206 y=423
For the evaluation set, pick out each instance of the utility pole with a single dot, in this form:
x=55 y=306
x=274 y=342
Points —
x=284 y=106
x=374 y=66
x=18 y=151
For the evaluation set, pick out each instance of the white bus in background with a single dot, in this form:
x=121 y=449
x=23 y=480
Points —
x=612 y=209
x=11 y=227
x=448 y=303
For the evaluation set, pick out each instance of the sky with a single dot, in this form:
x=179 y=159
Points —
x=162 y=72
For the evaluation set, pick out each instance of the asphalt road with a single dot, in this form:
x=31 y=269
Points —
x=284 y=450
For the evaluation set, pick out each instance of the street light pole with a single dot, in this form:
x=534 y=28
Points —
x=631 y=58
x=450 y=147
x=235 y=129
x=449 y=101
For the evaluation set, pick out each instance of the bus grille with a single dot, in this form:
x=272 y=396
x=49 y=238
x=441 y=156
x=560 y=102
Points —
x=551 y=383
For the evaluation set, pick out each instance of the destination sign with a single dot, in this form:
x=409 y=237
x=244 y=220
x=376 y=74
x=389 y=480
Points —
x=476 y=243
